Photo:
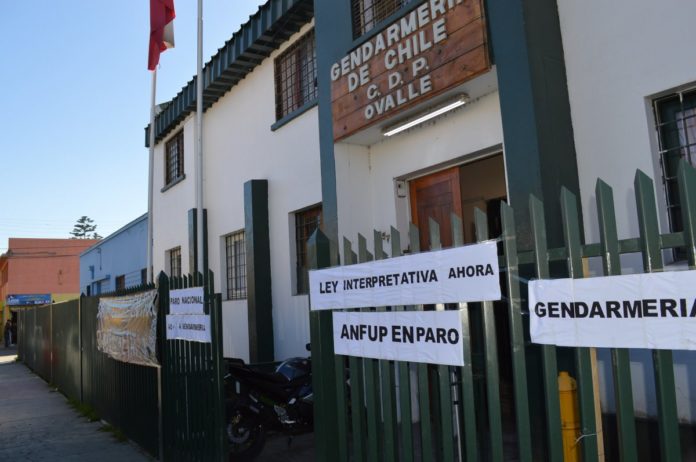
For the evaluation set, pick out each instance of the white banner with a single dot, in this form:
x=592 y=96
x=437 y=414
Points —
x=652 y=310
x=186 y=301
x=192 y=327
x=416 y=336
x=461 y=274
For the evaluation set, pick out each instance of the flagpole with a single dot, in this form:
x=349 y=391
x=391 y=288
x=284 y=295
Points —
x=150 y=243
x=199 y=140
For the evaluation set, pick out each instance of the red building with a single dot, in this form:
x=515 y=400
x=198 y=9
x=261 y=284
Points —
x=41 y=266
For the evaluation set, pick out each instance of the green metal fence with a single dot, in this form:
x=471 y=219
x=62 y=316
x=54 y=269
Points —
x=123 y=394
x=504 y=403
x=192 y=381
x=59 y=343
x=34 y=335
x=65 y=348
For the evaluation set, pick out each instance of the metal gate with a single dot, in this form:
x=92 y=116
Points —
x=473 y=412
x=193 y=426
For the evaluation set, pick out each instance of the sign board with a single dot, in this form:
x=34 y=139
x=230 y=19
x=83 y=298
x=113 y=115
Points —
x=652 y=310
x=460 y=274
x=192 y=327
x=127 y=328
x=28 y=299
x=431 y=49
x=433 y=337
x=186 y=301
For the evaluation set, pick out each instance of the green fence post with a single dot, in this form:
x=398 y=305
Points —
x=686 y=178
x=446 y=427
x=662 y=359
x=163 y=377
x=341 y=407
x=357 y=395
x=218 y=357
x=372 y=401
x=468 y=445
x=423 y=380
x=620 y=358
x=583 y=356
x=490 y=340
x=404 y=373
x=548 y=352
x=386 y=372
x=323 y=363
x=519 y=368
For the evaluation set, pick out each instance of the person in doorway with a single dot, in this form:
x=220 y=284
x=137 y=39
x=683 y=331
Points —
x=8 y=333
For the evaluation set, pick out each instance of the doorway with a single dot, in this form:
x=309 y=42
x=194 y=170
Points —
x=460 y=190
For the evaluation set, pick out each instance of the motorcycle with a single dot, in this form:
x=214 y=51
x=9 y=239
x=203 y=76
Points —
x=259 y=402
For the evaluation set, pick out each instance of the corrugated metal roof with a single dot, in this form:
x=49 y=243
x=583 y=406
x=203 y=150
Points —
x=266 y=30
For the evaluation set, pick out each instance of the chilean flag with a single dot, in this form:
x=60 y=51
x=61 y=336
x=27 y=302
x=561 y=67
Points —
x=161 y=30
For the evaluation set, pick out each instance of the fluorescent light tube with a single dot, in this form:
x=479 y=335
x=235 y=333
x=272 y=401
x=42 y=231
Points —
x=460 y=101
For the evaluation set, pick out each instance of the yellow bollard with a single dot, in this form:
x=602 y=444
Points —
x=570 y=416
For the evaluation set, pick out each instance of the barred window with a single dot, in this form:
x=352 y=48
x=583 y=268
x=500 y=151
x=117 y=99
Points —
x=235 y=246
x=306 y=222
x=121 y=282
x=174 y=256
x=296 y=76
x=174 y=159
x=675 y=116
x=143 y=276
x=366 y=14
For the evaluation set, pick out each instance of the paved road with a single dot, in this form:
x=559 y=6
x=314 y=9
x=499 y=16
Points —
x=277 y=449
x=37 y=424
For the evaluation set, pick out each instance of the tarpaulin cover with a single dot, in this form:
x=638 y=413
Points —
x=127 y=328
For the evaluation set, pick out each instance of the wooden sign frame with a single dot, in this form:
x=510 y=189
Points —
x=433 y=48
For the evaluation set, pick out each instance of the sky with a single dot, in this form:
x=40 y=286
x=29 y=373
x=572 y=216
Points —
x=75 y=94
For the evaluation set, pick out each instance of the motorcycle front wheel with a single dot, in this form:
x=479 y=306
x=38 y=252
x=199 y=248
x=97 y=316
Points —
x=245 y=437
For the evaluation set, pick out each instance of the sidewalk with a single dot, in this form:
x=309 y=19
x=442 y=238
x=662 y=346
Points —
x=37 y=424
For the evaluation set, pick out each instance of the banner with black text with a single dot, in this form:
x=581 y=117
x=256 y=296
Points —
x=433 y=337
x=460 y=274
x=191 y=327
x=186 y=301
x=652 y=310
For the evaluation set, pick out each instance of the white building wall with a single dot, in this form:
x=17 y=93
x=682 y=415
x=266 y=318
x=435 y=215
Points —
x=366 y=175
x=239 y=146
x=619 y=56
x=169 y=208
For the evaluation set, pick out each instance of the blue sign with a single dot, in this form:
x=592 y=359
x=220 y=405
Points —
x=29 y=299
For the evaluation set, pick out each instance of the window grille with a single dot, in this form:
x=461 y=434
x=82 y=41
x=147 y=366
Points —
x=235 y=246
x=174 y=158
x=121 y=282
x=175 y=262
x=306 y=222
x=366 y=14
x=675 y=116
x=296 y=76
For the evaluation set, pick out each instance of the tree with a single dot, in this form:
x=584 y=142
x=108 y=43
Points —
x=83 y=227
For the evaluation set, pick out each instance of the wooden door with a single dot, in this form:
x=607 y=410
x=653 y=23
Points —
x=436 y=196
